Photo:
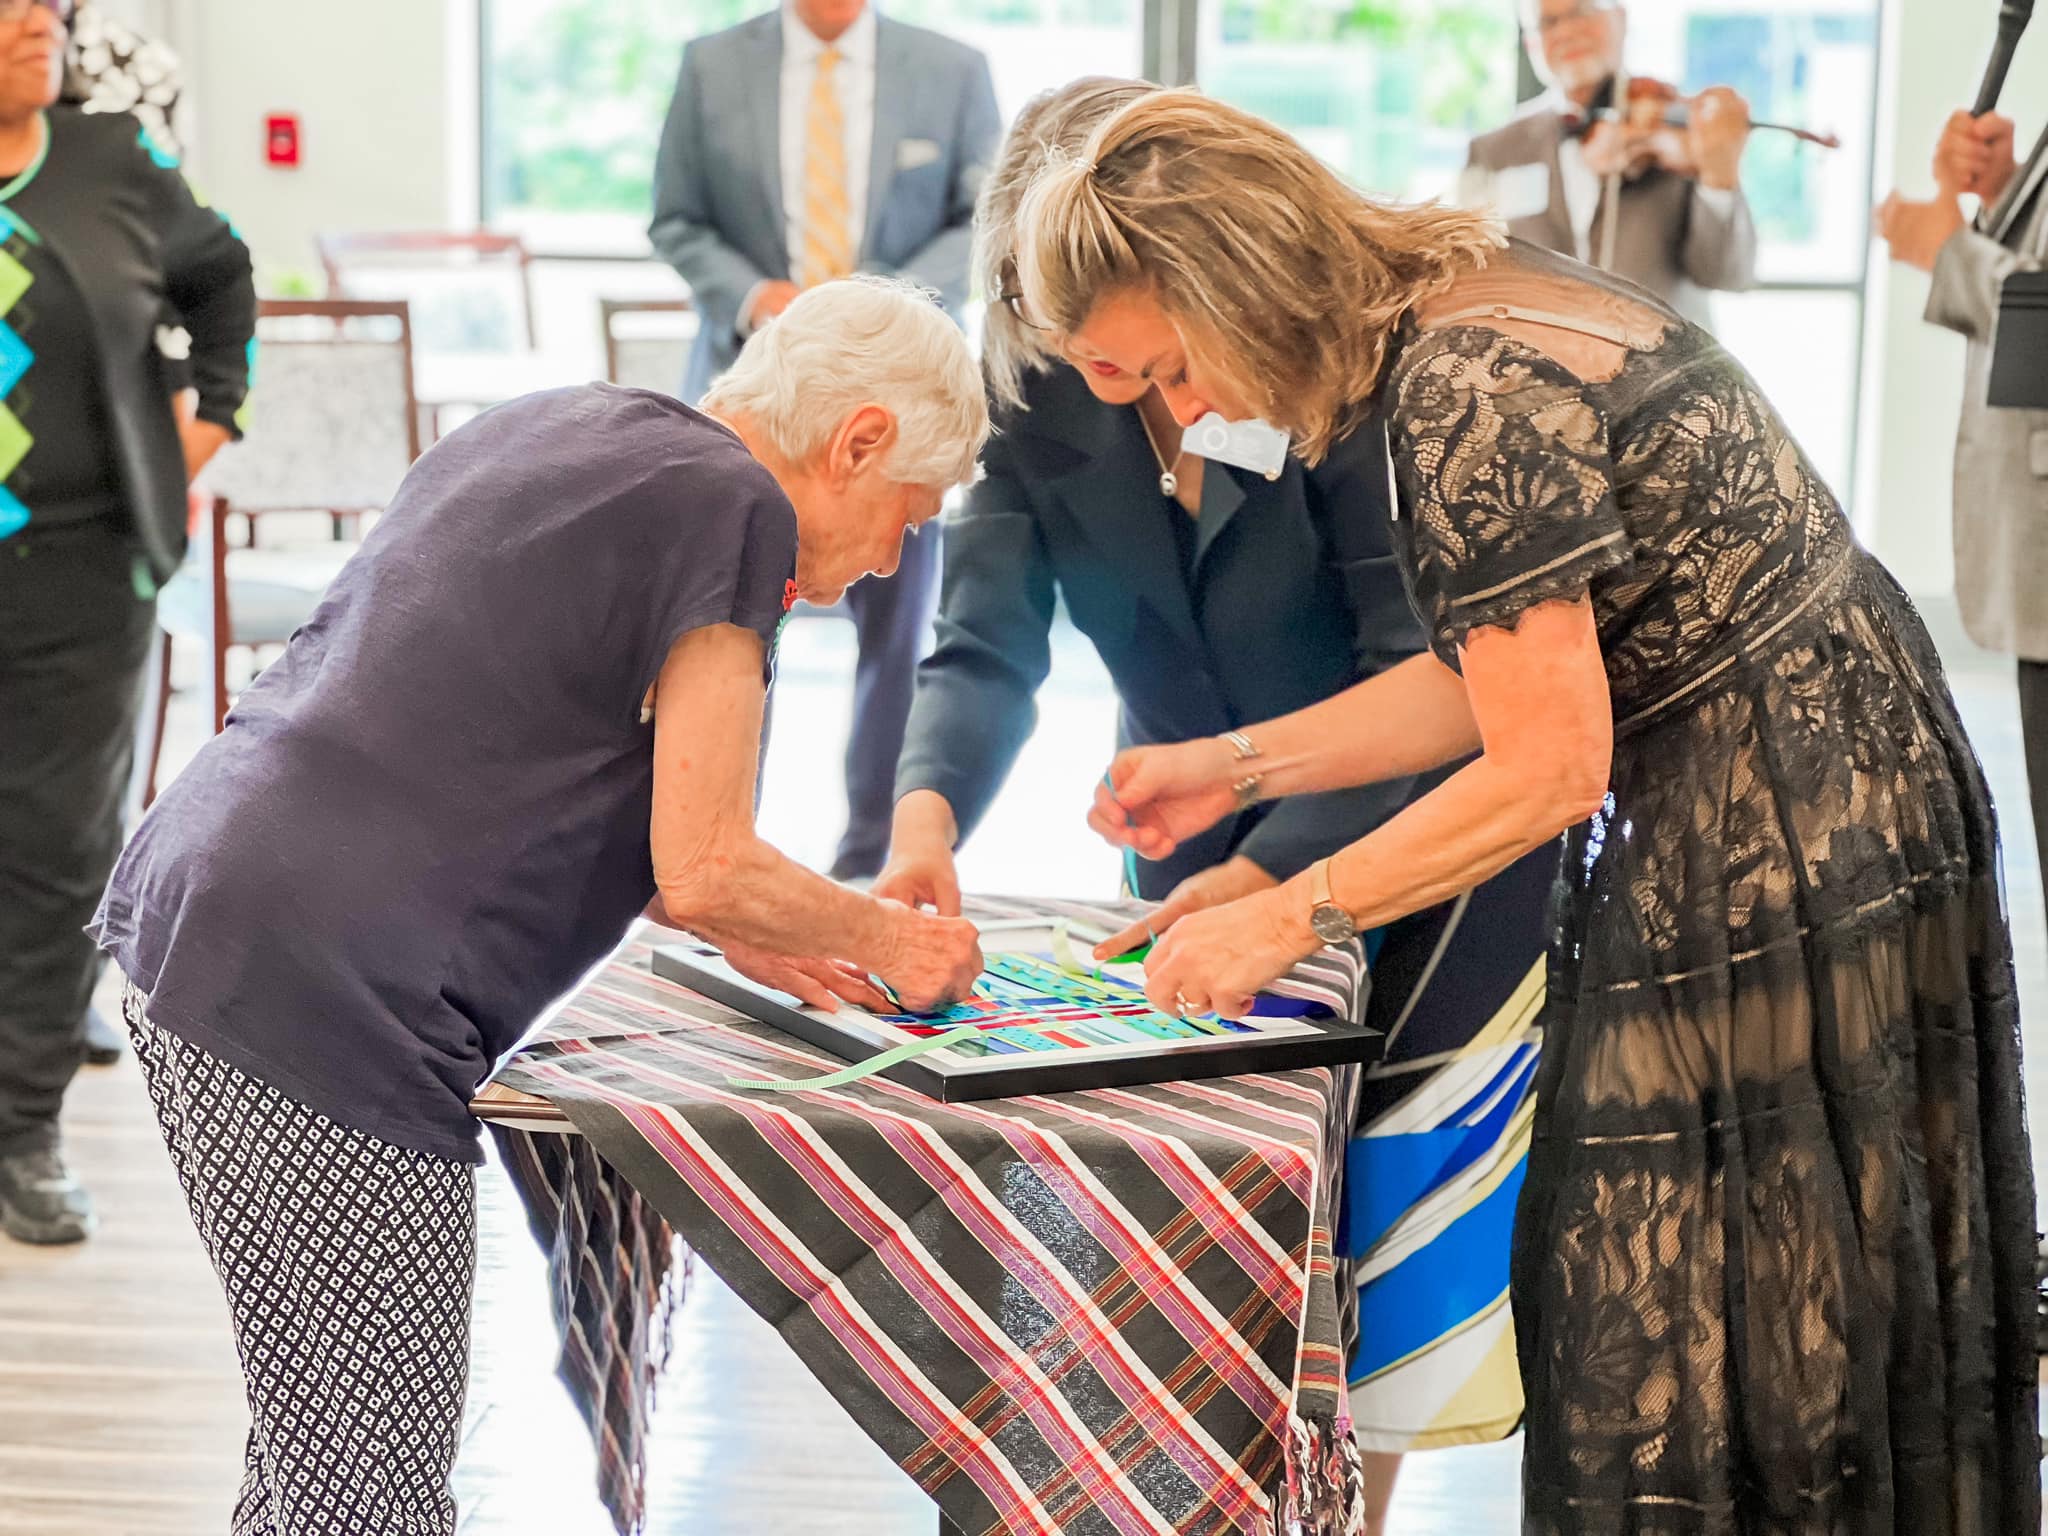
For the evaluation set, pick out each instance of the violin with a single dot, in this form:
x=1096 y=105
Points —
x=1650 y=127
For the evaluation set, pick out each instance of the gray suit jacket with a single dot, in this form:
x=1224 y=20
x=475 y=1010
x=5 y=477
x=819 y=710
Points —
x=2001 y=495
x=1668 y=240
x=718 y=216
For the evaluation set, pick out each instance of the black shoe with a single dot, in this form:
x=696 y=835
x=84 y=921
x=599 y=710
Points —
x=103 y=1043
x=40 y=1201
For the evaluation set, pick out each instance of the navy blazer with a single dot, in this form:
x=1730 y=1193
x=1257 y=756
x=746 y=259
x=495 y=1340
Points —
x=1294 y=596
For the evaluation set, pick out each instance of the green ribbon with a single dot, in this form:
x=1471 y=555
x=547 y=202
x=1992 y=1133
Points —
x=861 y=1069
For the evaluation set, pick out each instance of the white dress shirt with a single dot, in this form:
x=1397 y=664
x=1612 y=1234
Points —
x=855 y=77
x=1581 y=186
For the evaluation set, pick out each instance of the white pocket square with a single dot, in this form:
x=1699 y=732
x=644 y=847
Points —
x=911 y=153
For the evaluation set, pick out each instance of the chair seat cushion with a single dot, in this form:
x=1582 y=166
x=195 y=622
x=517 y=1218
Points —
x=271 y=592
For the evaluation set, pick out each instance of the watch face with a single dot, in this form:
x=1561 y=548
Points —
x=1333 y=925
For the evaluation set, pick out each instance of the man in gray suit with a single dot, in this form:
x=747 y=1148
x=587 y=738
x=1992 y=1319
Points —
x=1666 y=212
x=805 y=145
x=2001 y=474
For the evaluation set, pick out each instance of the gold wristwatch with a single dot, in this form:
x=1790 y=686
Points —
x=1332 y=924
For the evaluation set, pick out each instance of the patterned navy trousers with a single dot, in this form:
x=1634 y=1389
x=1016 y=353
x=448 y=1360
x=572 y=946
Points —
x=348 y=1265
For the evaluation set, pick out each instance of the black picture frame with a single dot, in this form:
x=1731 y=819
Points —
x=851 y=1036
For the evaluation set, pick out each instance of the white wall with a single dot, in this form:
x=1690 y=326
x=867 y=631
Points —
x=1912 y=370
x=370 y=81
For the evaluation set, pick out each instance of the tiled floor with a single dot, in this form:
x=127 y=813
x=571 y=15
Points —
x=119 y=1401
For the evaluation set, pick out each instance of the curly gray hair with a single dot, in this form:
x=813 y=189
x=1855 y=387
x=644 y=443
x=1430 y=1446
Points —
x=863 y=341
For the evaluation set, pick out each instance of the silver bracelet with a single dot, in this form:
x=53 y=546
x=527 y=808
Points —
x=1244 y=749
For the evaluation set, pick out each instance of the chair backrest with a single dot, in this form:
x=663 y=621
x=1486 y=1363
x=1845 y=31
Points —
x=332 y=423
x=647 y=341
x=470 y=290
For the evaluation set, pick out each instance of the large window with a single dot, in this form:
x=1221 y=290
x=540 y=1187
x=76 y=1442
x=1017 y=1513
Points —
x=573 y=96
x=1389 y=92
x=574 y=92
x=1812 y=63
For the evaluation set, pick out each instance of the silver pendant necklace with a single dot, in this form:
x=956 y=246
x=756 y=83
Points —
x=1169 y=482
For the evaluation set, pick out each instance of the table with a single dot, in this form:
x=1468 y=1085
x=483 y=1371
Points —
x=1096 y=1312
x=445 y=380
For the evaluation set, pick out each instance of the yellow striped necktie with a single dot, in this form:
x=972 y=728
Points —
x=828 y=225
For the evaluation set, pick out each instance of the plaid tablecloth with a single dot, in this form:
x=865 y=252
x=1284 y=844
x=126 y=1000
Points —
x=1094 y=1312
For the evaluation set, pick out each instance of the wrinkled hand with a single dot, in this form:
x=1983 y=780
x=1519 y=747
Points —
x=1975 y=155
x=1625 y=149
x=1717 y=131
x=820 y=983
x=1164 y=795
x=1916 y=231
x=933 y=962
x=1218 y=960
x=1233 y=878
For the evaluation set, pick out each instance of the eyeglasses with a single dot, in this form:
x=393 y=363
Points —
x=17 y=11
x=1012 y=298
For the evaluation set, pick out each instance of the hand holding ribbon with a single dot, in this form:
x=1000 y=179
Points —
x=1155 y=798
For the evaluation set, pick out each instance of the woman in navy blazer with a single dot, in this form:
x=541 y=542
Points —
x=1214 y=606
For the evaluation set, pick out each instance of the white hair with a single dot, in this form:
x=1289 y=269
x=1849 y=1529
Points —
x=863 y=341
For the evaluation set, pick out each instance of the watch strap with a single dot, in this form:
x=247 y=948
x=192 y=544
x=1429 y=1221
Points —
x=1319 y=885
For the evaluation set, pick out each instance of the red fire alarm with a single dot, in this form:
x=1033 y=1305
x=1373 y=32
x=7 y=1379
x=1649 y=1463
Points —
x=281 y=139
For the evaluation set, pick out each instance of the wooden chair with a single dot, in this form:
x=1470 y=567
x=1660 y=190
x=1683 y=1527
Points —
x=417 y=265
x=333 y=427
x=647 y=341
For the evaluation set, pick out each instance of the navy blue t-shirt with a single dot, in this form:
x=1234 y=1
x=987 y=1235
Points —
x=429 y=818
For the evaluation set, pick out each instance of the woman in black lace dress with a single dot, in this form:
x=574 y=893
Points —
x=1774 y=1258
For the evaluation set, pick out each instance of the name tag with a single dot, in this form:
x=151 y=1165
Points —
x=1251 y=445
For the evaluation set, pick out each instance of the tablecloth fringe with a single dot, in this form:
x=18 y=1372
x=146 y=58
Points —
x=1324 y=1493
x=626 y=1499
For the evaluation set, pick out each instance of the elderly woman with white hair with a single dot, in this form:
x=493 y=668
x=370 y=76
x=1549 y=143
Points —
x=527 y=712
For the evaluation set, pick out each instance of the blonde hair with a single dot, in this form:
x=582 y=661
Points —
x=1283 y=281
x=1053 y=123
x=863 y=341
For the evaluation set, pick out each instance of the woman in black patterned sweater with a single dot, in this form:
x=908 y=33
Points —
x=1774 y=1256
x=101 y=243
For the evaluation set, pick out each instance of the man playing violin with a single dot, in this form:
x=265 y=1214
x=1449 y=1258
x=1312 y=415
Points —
x=1655 y=200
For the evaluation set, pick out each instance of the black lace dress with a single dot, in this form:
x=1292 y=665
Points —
x=1773 y=1267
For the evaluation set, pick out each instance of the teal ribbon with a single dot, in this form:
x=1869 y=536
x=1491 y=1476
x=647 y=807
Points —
x=28 y=174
